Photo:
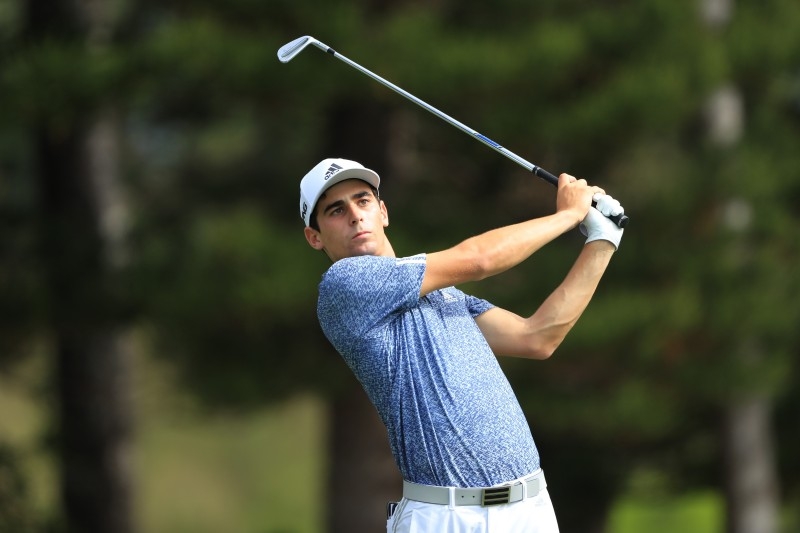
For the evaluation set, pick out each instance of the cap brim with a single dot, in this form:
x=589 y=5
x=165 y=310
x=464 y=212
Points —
x=363 y=174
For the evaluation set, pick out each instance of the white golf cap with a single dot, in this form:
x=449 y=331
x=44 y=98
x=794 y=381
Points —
x=326 y=174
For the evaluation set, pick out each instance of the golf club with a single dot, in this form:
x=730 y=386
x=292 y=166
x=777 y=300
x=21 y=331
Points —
x=288 y=52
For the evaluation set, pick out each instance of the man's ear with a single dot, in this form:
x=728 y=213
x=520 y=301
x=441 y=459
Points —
x=313 y=238
x=384 y=214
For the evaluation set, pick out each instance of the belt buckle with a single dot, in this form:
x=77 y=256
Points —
x=495 y=496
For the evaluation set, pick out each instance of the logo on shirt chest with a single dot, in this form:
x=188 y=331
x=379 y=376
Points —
x=448 y=295
x=443 y=296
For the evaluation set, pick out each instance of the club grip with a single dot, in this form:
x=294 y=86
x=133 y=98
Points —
x=620 y=220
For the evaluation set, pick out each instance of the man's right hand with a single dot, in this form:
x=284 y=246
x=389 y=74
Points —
x=575 y=196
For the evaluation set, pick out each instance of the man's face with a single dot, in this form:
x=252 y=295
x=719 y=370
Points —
x=351 y=221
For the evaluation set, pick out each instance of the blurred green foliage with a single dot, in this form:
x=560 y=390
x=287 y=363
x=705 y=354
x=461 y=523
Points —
x=217 y=134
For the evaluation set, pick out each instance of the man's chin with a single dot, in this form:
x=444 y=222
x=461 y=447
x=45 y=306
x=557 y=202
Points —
x=355 y=252
x=370 y=250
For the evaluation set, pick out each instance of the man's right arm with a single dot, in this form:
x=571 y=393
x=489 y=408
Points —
x=498 y=250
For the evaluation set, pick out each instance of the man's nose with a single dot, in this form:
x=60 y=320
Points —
x=355 y=215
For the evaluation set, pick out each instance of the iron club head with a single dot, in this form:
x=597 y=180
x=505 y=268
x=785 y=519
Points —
x=287 y=52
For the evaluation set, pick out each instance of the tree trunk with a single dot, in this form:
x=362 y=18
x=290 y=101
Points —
x=95 y=431
x=83 y=223
x=95 y=415
x=363 y=475
x=750 y=477
x=94 y=409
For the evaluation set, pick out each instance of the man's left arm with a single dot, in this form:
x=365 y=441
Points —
x=538 y=336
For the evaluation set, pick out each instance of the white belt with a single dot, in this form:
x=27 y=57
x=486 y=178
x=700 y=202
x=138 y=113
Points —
x=513 y=492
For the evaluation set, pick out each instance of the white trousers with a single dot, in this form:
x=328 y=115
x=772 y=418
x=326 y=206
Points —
x=533 y=515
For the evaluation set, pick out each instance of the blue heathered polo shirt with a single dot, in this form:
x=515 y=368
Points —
x=451 y=415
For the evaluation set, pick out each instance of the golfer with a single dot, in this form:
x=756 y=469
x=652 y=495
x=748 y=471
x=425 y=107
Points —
x=424 y=351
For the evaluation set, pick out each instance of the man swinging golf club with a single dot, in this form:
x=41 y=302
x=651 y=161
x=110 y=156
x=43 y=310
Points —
x=425 y=351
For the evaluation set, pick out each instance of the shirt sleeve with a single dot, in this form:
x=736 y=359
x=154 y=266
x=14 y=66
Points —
x=357 y=293
x=477 y=306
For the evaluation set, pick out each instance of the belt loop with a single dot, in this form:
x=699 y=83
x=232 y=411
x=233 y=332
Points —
x=524 y=490
x=452 y=504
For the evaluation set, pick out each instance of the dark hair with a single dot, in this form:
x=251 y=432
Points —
x=312 y=221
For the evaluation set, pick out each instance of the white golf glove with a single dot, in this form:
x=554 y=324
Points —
x=597 y=226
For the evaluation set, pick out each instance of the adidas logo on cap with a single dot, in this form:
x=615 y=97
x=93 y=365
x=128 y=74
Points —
x=333 y=169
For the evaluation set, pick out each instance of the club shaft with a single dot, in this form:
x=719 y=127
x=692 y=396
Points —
x=620 y=220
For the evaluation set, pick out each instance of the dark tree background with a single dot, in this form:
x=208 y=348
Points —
x=150 y=154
